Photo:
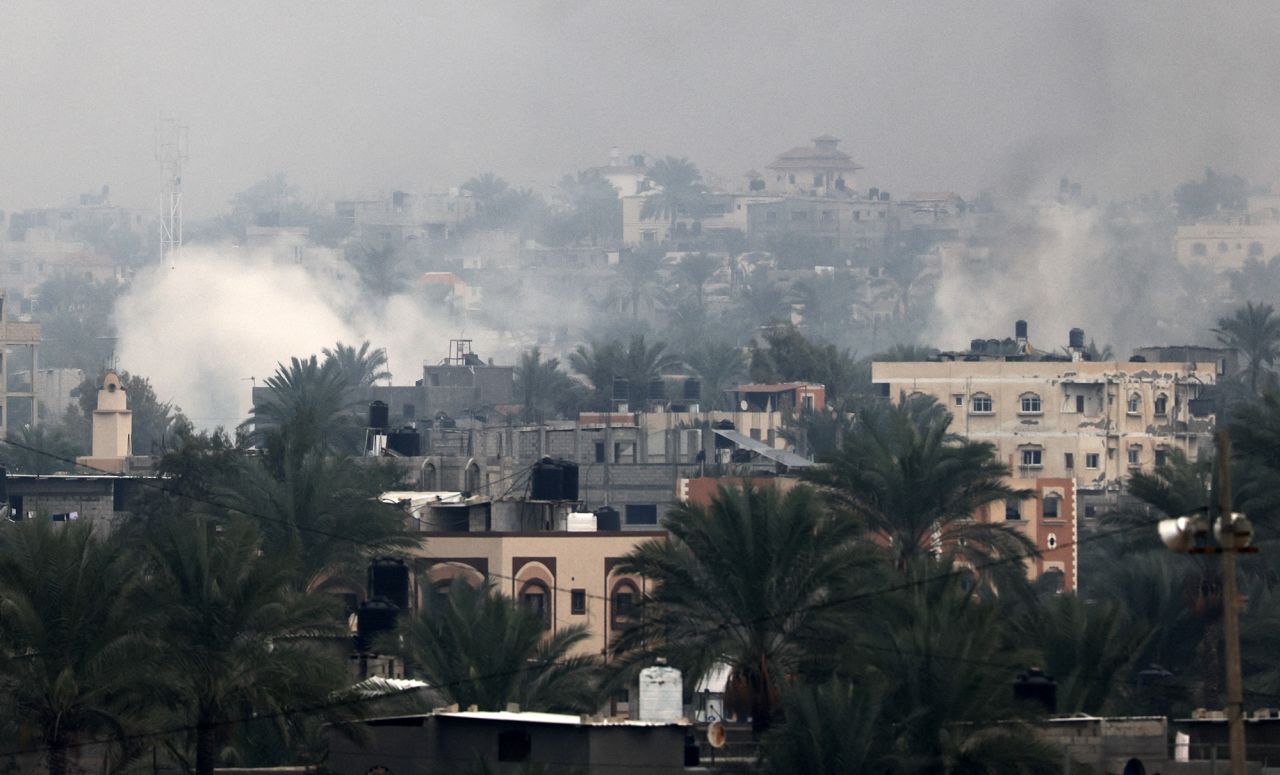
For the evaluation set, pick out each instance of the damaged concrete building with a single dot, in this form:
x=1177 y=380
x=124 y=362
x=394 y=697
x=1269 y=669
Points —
x=1065 y=416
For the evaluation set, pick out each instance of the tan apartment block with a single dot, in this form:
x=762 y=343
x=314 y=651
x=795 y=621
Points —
x=571 y=577
x=1092 y=422
x=1048 y=519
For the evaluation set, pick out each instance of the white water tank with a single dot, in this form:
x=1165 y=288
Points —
x=581 y=522
x=661 y=693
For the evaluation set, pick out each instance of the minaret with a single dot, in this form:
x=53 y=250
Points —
x=112 y=427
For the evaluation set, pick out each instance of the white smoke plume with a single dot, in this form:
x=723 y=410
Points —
x=220 y=316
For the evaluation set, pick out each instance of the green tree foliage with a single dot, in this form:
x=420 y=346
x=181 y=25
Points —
x=73 y=644
x=678 y=190
x=75 y=323
x=595 y=211
x=307 y=407
x=783 y=354
x=360 y=367
x=236 y=630
x=908 y=478
x=543 y=389
x=747 y=582
x=478 y=647
x=638 y=362
x=719 y=366
x=1254 y=330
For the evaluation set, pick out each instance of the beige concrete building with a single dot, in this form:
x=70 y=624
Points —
x=1049 y=519
x=813 y=170
x=19 y=360
x=569 y=576
x=1091 y=422
x=1227 y=244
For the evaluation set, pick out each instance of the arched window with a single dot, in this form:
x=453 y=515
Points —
x=1054 y=578
x=1162 y=405
x=472 y=484
x=1029 y=403
x=980 y=403
x=430 y=482
x=1135 y=403
x=1052 y=507
x=537 y=599
x=623 y=601
x=1198 y=249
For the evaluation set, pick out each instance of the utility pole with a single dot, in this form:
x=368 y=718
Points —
x=1230 y=609
x=1191 y=535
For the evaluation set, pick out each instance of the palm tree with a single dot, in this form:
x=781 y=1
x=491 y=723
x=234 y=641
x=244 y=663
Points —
x=753 y=582
x=305 y=408
x=904 y=475
x=238 y=634
x=72 y=637
x=360 y=368
x=1254 y=330
x=43 y=449
x=947 y=706
x=831 y=729
x=642 y=364
x=678 y=188
x=639 y=363
x=638 y=282
x=906 y=353
x=696 y=271
x=541 y=386
x=719 y=366
x=485 y=187
x=599 y=363
x=478 y=647
x=320 y=519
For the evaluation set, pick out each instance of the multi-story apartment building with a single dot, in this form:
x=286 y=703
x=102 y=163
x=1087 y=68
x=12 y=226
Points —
x=1064 y=417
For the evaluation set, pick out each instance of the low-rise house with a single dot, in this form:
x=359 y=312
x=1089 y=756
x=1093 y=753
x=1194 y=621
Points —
x=507 y=742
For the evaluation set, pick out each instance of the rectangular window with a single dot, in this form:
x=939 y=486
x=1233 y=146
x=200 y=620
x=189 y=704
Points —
x=1029 y=404
x=648 y=236
x=981 y=404
x=514 y=745
x=1032 y=458
x=409 y=412
x=799 y=215
x=828 y=215
x=577 y=601
x=755 y=434
x=1051 y=506
x=1135 y=454
x=957 y=399
x=1161 y=457
x=772 y=215
x=1091 y=460
x=1079 y=404
x=1069 y=461
x=599 y=451
x=817 y=180
x=1012 y=509
x=642 y=514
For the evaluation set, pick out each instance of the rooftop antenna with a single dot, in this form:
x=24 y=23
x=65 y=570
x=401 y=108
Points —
x=171 y=152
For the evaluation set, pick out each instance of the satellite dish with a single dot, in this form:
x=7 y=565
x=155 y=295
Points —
x=743 y=404
x=716 y=734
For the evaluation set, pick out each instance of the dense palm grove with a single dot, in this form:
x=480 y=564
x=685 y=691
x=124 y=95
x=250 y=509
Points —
x=868 y=623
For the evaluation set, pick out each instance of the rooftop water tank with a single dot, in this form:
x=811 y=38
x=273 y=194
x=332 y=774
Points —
x=581 y=522
x=661 y=693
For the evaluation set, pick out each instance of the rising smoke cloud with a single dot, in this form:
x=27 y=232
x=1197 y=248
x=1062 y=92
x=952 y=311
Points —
x=220 y=316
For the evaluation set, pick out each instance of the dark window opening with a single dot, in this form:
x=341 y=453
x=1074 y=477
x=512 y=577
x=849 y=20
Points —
x=1079 y=404
x=578 y=601
x=1012 y=509
x=514 y=745
x=1069 y=460
x=1051 y=507
x=599 y=451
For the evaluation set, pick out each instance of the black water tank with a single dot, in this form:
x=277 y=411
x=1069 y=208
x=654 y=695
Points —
x=977 y=345
x=1020 y=329
x=608 y=519
x=568 y=479
x=621 y=389
x=1075 y=338
x=405 y=441
x=546 y=481
x=657 y=390
x=389 y=578
x=1035 y=686
x=692 y=390
x=375 y=617
x=379 y=415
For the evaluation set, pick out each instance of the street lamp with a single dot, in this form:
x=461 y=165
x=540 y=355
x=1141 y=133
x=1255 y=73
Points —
x=1233 y=533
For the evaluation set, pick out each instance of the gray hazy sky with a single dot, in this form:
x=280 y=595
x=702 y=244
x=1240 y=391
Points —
x=361 y=97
